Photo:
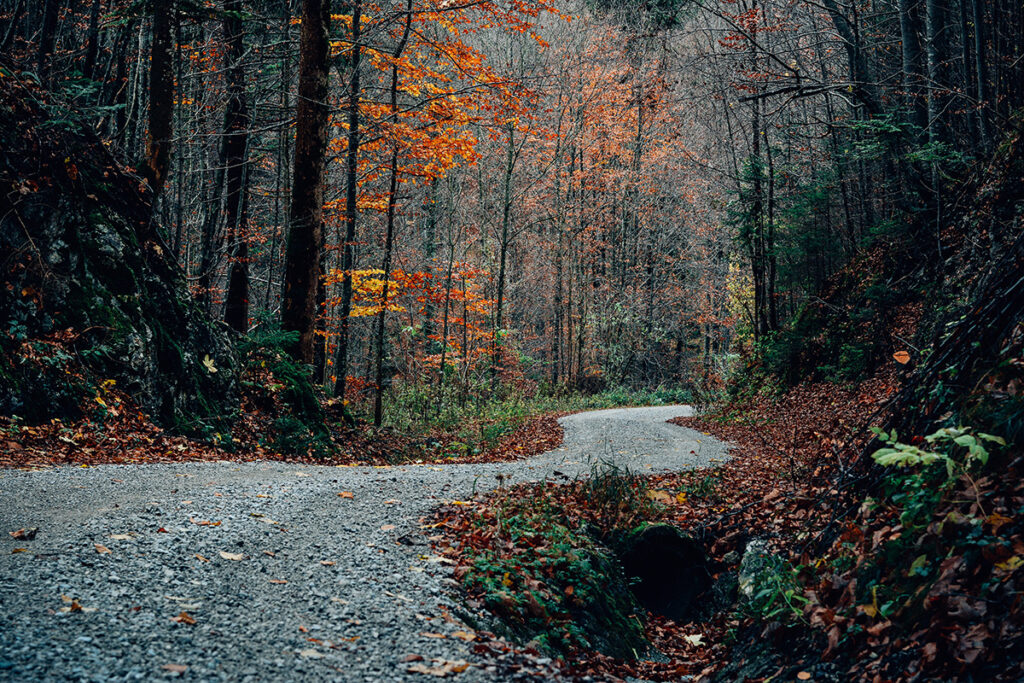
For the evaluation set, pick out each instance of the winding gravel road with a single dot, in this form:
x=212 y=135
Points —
x=262 y=571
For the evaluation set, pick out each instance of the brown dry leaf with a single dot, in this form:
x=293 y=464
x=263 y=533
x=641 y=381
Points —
x=901 y=357
x=804 y=676
x=175 y=668
x=18 y=550
x=26 y=534
x=235 y=557
x=662 y=497
x=278 y=581
x=121 y=537
x=467 y=636
x=201 y=558
x=442 y=668
x=392 y=501
x=327 y=563
x=345 y=494
x=203 y=522
x=269 y=553
x=427 y=634
x=412 y=658
x=184 y=618
x=101 y=549
x=388 y=527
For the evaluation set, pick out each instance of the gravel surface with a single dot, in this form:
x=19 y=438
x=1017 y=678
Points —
x=284 y=578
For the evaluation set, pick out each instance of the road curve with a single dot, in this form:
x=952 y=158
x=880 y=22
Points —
x=284 y=578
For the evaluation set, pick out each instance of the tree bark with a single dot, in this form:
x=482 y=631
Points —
x=351 y=198
x=378 y=400
x=302 y=259
x=161 y=98
x=236 y=145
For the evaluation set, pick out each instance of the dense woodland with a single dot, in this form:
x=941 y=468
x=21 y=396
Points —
x=270 y=224
x=440 y=196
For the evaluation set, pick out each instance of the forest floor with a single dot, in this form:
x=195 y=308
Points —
x=270 y=570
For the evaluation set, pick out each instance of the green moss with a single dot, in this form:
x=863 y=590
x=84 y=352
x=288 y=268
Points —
x=566 y=592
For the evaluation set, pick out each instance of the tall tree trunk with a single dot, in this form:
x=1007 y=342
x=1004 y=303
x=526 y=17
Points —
x=910 y=31
x=47 y=38
x=938 y=85
x=236 y=145
x=506 y=208
x=305 y=230
x=351 y=198
x=161 y=98
x=92 y=43
x=378 y=400
x=981 y=72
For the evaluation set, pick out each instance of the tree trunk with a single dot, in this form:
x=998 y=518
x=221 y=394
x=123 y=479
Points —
x=506 y=207
x=92 y=45
x=938 y=85
x=378 y=400
x=161 y=98
x=47 y=38
x=302 y=259
x=236 y=145
x=910 y=29
x=351 y=197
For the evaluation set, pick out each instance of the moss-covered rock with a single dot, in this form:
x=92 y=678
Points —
x=90 y=291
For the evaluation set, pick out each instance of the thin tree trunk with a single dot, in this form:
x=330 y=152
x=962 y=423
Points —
x=351 y=198
x=378 y=401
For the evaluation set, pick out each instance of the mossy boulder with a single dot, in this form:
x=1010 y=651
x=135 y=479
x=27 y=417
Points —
x=90 y=292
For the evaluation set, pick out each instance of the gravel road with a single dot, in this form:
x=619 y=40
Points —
x=262 y=571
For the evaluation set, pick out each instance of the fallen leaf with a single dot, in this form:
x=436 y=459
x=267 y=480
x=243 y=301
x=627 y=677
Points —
x=345 y=494
x=441 y=669
x=101 y=549
x=201 y=558
x=184 y=618
x=426 y=634
x=203 y=522
x=464 y=635
x=208 y=364
x=1011 y=564
x=392 y=501
x=803 y=675
x=901 y=357
x=310 y=653
x=24 y=534
x=235 y=557
x=121 y=537
x=412 y=658
x=278 y=581
x=662 y=497
x=19 y=550
x=175 y=668
x=696 y=640
x=388 y=527
x=327 y=563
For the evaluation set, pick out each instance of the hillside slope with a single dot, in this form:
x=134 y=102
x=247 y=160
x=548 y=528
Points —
x=92 y=301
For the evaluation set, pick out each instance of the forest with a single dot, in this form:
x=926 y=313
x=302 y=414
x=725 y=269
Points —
x=435 y=233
